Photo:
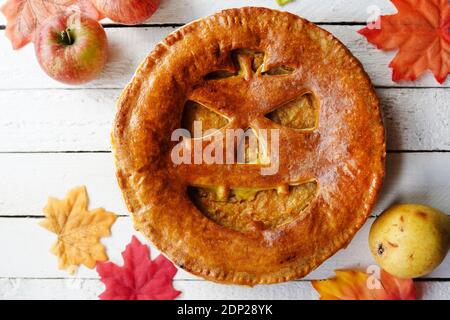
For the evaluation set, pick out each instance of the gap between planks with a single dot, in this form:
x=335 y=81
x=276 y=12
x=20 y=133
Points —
x=109 y=151
x=197 y=280
x=179 y=25
x=121 y=88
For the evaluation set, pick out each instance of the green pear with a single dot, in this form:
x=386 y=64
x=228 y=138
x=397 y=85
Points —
x=410 y=240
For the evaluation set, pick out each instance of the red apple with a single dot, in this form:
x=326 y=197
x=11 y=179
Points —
x=71 y=48
x=127 y=11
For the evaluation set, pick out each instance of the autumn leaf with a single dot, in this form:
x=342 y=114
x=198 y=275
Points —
x=357 y=285
x=396 y=288
x=283 y=2
x=25 y=16
x=78 y=230
x=140 y=278
x=420 y=32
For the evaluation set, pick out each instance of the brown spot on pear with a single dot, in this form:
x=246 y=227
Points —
x=410 y=240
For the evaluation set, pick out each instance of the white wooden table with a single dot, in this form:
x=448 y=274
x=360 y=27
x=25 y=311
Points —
x=54 y=137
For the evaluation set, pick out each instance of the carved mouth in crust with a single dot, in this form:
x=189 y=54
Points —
x=247 y=210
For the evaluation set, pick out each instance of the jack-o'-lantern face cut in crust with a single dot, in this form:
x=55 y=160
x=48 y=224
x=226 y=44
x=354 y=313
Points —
x=250 y=69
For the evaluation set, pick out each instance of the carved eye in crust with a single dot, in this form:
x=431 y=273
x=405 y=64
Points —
x=301 y=113
x=209 y=119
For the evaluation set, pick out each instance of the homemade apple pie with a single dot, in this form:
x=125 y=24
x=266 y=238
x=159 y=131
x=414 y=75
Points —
x=249 y=69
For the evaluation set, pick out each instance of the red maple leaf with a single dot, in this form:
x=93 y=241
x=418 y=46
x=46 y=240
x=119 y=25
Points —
x=421 y=32
x=140 y=278
x=25 y=16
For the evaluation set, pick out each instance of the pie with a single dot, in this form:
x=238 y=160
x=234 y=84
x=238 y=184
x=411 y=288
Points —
x=250 y=68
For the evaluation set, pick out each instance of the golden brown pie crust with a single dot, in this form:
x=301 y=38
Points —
x=344 y=154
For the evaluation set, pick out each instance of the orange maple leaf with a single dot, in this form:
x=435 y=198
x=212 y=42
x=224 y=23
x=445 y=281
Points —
x=357 y=285
x=25 y=16
x=421 y=32
x=78 y=230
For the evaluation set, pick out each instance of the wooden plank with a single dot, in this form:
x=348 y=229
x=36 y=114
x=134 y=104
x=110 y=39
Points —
x=183 y=11
x=416 y=119
x=42 y=175
x=129 y=46
x=80 y=120
x=298 y=290
x=411 y=177
x=89 y=289
x=57 y=120
x=21 y=252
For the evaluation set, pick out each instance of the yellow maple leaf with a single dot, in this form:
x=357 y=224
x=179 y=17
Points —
x=78 y=230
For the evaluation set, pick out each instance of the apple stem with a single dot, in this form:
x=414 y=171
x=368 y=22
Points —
x=66 y=38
